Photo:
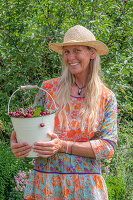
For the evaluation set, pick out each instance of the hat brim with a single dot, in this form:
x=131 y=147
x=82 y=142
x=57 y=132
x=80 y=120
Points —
x=100 y=47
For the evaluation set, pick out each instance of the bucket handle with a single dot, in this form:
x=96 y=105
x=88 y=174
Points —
x=28 y=87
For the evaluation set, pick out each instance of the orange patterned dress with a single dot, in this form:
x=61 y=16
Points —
x=70 y=177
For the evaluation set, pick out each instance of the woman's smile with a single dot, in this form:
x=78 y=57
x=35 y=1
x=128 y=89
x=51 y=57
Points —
x=74 y=64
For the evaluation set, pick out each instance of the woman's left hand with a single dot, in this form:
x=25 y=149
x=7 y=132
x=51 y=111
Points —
x=47 y=149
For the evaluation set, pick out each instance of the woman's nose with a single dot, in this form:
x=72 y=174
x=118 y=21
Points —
x=71 y=56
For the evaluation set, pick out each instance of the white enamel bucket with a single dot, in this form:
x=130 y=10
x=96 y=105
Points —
x=29 y=129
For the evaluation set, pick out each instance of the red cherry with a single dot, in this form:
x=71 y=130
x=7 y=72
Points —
x=44 y=113
x=28 y=115
x=10 y=113
x=17 y=115
x=49 y=40
x=42 y=124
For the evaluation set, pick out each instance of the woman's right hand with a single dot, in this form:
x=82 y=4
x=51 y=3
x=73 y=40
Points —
x=20 y=150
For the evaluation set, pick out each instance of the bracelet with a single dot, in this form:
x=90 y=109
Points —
x=72 y=146
x=67 y=147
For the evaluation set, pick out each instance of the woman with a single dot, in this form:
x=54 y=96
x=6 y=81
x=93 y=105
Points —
x=69 y=166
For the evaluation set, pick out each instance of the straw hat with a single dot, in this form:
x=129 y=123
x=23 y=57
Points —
x=79 y=35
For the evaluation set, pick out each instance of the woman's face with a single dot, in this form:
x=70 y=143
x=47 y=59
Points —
x=77 y=59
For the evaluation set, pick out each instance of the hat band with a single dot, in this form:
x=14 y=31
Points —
x=75 y=41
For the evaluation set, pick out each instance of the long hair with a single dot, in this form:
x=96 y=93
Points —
x=93 y=91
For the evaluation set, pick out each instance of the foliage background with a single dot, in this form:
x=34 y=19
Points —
x=26 y=29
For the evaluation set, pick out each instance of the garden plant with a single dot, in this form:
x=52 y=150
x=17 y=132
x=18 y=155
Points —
x=26 y=29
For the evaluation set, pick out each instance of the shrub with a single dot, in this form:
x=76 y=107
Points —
x=9 y=167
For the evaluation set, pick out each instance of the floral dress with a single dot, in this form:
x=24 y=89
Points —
x=70 y=177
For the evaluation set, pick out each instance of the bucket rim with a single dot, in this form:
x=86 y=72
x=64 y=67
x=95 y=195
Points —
x=32 y=117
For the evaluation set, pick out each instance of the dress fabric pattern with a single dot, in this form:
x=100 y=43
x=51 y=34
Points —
x=71 y=177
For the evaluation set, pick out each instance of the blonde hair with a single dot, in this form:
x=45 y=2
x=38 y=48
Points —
x=93 y=91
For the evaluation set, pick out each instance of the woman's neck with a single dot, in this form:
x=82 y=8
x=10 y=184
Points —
x=81 y=82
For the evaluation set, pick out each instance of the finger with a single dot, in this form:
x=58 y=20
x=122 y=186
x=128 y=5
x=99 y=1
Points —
x=13 y=137
x=52 y=135
x=43 y=144
x=18 y=146
x=14 y=140
x=25 y=152
x=43 y=155
x=44 y=152
x=21 y=149
x=22 y=152
x=23 y=155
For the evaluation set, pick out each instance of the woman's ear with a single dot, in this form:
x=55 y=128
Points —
x=92 y=54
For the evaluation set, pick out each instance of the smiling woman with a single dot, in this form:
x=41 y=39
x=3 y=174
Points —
x=69 y=166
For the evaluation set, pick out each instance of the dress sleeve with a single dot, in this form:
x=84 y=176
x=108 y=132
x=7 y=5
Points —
x=40 y=97
x=105 y=145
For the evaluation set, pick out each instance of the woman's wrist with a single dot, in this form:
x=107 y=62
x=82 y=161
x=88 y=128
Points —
x=67 y=146
x=63 y=146
x=72 y=145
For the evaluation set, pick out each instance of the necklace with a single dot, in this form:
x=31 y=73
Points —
x=79 y=89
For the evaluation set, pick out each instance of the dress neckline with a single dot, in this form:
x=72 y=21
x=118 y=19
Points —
x=77 y=97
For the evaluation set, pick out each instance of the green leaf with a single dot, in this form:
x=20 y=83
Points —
x=37 y=112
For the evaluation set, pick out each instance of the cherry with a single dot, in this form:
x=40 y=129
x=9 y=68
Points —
x=28 y=115
x=10 y=113
x=42 y=124
x=49 y=40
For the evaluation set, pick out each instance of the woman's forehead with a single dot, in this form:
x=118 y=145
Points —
x=74 y=47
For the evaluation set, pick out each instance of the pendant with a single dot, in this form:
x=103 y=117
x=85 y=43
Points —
x=79 y=91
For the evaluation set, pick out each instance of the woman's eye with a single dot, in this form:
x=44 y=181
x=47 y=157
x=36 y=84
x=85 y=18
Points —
x=66 y=52
x=77 y=50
